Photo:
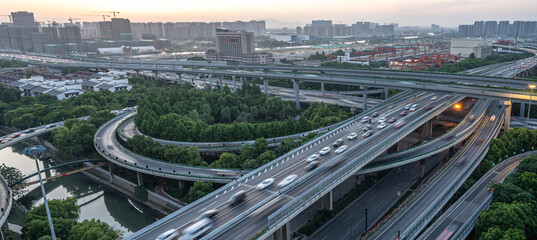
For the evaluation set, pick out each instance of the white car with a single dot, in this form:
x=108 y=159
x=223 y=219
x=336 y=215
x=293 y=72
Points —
x=367 y=134
x=434 y=98
x=381 y=126
x=324 y=151
x=365 y=119
x=381 y=120
x=412 y=109
x=167 y=235
x=265 y=184
x=312 y=158
x=352 y=136
x=341 y=149
x=287 y=180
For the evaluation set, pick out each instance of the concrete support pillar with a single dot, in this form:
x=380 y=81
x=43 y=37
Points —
x=140 y=178
x=428 y=134
x=364 y=98
x=234 y=83
x=326 y=203
x=45 y=166
x=181 y=184
x=296 y=84
x=522 y=109
x=322 y=87
x=221 y=83
x=422 y=165
x=242 y=80
x=180 y=78
x=111 y=171
x=211 y=82
x=40 y=141
x=284 y=233
x=386 y=93
x=265 y=85
x=507 y=119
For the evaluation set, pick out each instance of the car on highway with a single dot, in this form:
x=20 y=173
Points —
x=366 y=128
x=381 y=120
x=29 y=130
x=391 y=106
x=375 y=114
x=197 y=229
x=407 y=107
x=287 y=180
x=338 y=142
x=208 y=214
x=312 y=158
x=434 y=98
x=170 y=234
x=324 y=151
x=403 y=113
x=382 y=126
x=50 y=126
x=110 y=147
x=492 y=118
x=471 y=118
x=14 y=135
x=429 y=108
x=398 y=124
x=341 y=149
x=5 y=140
x=237 y=198
x=352 y=136
x=365 y=119
x=265 y=183
x=392 y=120
x=367 y=134
x=312 y=165
x=415 y=105
x=412 y=109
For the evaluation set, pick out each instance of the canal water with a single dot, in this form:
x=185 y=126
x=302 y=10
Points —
x=95 y=200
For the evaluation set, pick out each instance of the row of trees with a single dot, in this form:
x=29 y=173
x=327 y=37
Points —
x=472 y=62
x=65 y=214
x=11 y=64
x=201 y=116
x=514 y=204
x=175 y=154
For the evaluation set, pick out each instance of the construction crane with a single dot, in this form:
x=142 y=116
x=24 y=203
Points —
x=104 y=16
x=71 y=19
x=10 y=20
x=112 y=12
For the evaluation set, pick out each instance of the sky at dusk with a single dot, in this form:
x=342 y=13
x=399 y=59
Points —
x=448 y=13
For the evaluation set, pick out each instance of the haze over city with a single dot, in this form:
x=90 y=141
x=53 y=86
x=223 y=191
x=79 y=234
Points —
x=268 y=119
x=448 y=13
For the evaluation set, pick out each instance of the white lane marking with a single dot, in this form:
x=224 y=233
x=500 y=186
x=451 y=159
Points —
x=246 y=180
x=232 y=188
x=216 y=196
x=265 y=170
x=259 y=174
x=271 y=167
x=277 y=163
x=225 y=191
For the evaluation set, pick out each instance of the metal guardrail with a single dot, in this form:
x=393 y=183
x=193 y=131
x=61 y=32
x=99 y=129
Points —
x=464 y=134
x=219 y=191
x=305 y=199
x=417 y=225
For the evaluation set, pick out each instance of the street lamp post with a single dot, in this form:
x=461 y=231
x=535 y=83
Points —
x=36 y=151
x=531 y=86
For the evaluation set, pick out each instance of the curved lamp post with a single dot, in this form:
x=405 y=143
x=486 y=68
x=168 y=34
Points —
x=35 y=151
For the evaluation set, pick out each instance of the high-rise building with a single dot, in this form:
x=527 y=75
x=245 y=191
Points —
x=385 y=29
x=503 y=28
x=491 y=28
x=23 y=19
x=71 y=34
x=121 y=29
x=466 y=30
x=435 y=28
x=479 y=28
x=233 y=45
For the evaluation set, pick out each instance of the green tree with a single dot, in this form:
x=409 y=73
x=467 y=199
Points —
x=199 y=190
x=260 y=146
x=93 y=230
x=226 y=160
x=64 y=215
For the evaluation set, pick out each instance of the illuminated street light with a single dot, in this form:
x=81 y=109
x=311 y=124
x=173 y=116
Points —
x=458 y=106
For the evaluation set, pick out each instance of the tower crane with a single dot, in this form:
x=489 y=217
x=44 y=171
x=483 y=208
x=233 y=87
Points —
x=71 y=19
x=104 y=16
x=112 y=12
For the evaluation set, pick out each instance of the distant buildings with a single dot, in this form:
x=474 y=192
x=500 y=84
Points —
x=463 y=47
x=23 y=19
x=237 y=46
x=502 y=29
x=66 y=88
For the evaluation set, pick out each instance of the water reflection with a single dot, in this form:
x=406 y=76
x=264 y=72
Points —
x=95 y=200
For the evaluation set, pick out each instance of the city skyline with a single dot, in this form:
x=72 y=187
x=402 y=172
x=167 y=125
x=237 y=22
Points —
x=447 y=13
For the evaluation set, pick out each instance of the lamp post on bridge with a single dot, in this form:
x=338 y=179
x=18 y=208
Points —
x=531 y=86
x=35 y=151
